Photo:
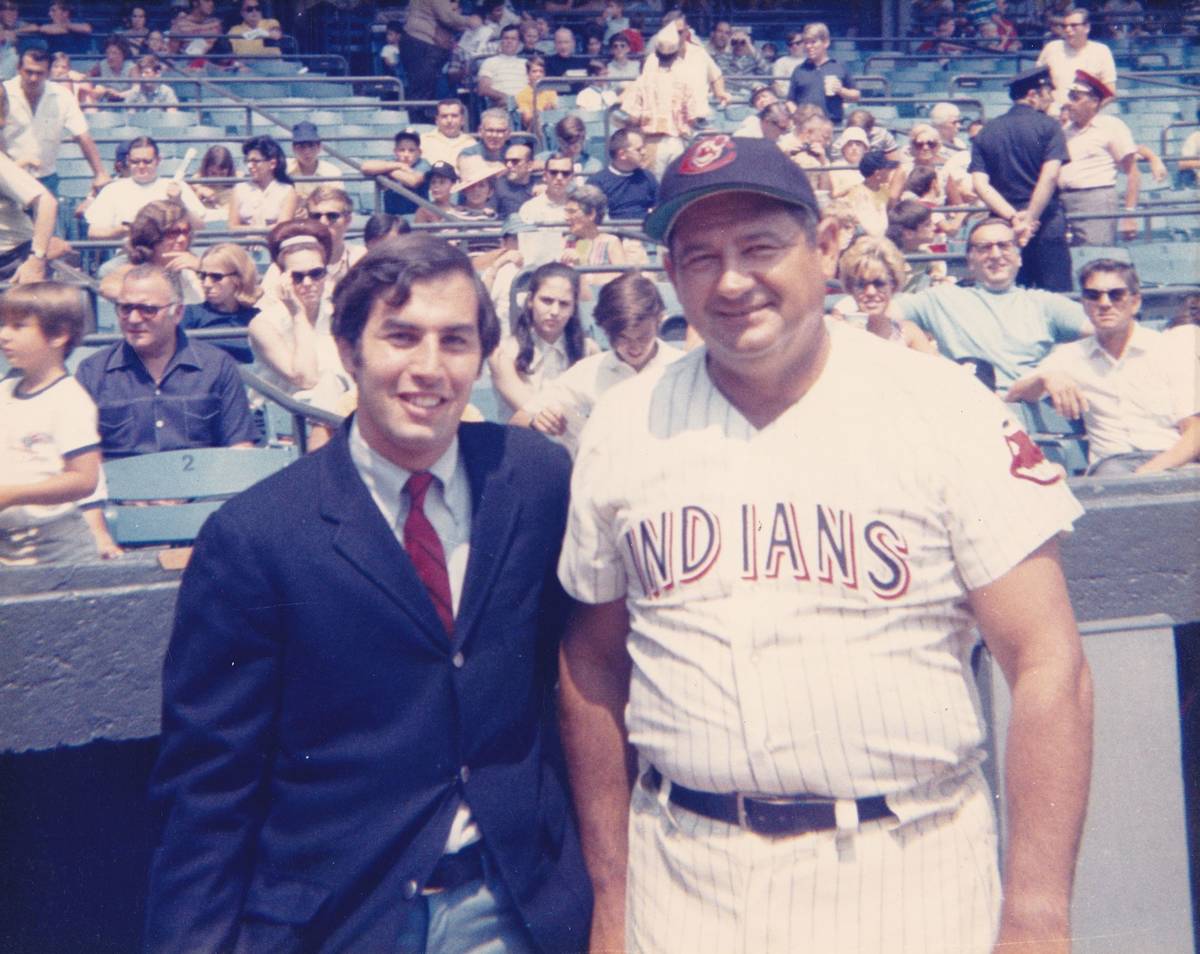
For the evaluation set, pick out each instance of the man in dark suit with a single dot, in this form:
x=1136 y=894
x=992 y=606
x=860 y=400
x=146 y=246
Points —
x=358 y=748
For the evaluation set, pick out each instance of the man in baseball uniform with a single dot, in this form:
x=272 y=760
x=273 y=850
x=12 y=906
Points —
x=784 y=545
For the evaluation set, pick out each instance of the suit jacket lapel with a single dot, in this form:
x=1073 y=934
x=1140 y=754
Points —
x=365 y=540
x=495 y=512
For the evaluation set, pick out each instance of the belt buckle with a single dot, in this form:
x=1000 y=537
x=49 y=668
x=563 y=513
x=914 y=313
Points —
x=762 y=826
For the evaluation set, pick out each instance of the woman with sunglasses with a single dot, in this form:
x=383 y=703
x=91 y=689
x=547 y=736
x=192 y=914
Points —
x=230 y=282
x=331 y=206
x=547 y=337
x=291 y=335
x=925 y=152
x=269 y=196
x=872 y=269
x=160 y=234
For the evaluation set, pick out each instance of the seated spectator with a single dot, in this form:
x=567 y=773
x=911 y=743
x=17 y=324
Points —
x=851 y=146
x=718 y=45
x=134 y=31
x=531 y=38
x=925 y=150
x=629 y=189
x=774 y=123
x=923 y=185
x=49 y=445
x=230 y=282
x=547 y=337
x=911 y=228
x=879 y=139
x=116 y=72
x=150 y=90
x=255 y=35
x=531 y=99
x=566 y=53
x=620 y=66
x=994 y=320
x=382 y=226
x=570 y=133
x=64 y=35
x=331 y=206
x=119 y=202
x=597 y=95
x=613 y=19
x=216 y=163
x=306 y=159
x=743 y=60
x=841 y=213
x=874 y=196
x=161 y=235
x=586 y=244
x=872 y=270
x=291 y=335
x=447 y=141
x=495 y=127
x=439 y=184
x=760 y=98
x=1135 y=390
x=194 y=32
x=593 y=43
x=157 y=43
x=549 y=208
x=268 y=195
x=503 y=76
x=942 y=39
x=946 y=119
x=769 y=53
x=516 y=186
x=808 y=144
x=475 y=190
x=1006 y=31
x=77 y=84
x=156 y=390
x=783 y=67
x=406 y=167
x=630 y=312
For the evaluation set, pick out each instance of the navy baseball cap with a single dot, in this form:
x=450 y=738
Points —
x=305 y=132
x=726 y=163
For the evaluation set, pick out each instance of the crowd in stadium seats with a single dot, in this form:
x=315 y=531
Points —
x=536 y=139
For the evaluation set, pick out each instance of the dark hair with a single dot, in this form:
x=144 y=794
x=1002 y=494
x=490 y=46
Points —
x=906 y=214
x=920 y=180
x=217 y=156
x=536 y=60
x=596 y=67
x=142 y=142
x=382 y=224
x=120 y=44
x=571 y=128
x=388 y=272
x=1127 y=273
x=57 y=308
x=450 y=101
x=626 y=300
x=984 y=223
x=149 y=227
x=620 y=140
x=510 y=28
x=270 y=149
x=523 y=331
x=318 y=232
x=410 y=134
x=35 y=54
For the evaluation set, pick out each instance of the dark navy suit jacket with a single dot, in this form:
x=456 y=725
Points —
x=316 y=718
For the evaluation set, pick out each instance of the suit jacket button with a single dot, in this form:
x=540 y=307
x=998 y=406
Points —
x=464 y=774
x=410 y=889
x=459 y=660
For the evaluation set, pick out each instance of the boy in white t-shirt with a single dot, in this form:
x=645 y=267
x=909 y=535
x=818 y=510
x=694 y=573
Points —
x=49 y=445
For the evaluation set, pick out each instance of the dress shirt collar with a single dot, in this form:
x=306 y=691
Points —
x=1139 y=342
x=123 y=356
x=386 y=480
x=543 y=349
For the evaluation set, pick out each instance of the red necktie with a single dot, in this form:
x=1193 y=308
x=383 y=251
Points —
x=425 y=549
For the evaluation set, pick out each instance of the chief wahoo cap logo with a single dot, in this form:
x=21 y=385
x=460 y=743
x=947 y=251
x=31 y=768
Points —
x=708 y=154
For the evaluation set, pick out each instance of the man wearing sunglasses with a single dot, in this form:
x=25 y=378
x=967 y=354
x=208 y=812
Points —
x=1135 y=392
x=156 y=390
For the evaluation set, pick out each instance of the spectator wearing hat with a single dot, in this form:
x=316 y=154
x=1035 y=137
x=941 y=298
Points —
x=872 y=198
x=439 y=184
x=760 y=98
x=820 y=79
x=1076 y=52
x=852 y=145
x=1015 y=161
x=305 y=160
x=1099 y=145
x=475 y=188
x=406 y=167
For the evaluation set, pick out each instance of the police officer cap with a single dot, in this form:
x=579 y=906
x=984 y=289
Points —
x=725 y=163
x=1085 y=82
x=1032 y=78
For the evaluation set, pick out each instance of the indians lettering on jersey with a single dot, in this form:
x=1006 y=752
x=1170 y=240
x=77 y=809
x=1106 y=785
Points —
x=827 y=546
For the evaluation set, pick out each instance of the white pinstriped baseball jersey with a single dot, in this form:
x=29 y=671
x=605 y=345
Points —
x=797 y=593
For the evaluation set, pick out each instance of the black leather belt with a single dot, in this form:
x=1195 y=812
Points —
x=453 y=871
x=767 y=815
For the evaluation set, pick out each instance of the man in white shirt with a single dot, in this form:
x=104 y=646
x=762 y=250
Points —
x=1099 y=145
x=502 y=76
x=120 y=201
x=39 y=113
x=549 y=208
x=783 y=68
x=306 y=159
x=448 y=140
x=1135 y=391
x=1076 y=52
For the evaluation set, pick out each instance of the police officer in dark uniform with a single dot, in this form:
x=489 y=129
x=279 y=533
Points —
x=1014 y=165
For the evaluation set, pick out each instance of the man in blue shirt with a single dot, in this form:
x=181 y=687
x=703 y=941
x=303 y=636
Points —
x=820 y=79
x=629 y=188
x=156 y=390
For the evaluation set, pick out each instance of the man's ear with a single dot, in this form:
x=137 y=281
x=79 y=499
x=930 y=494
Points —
x=827 y=246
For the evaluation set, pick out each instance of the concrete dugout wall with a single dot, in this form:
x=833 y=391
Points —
x=81 y=649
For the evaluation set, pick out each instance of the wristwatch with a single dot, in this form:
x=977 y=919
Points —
x=36 y=254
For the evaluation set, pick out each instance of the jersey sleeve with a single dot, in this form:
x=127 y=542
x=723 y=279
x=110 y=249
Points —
x=589 y=566
x=1003 y=498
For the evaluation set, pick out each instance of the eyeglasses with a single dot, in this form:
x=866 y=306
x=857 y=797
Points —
x=874 y=284
x=560 y=173
x=329 y=217
x=925 y=143
x=513 y=162
x=213 y=276
x=141 y=162
x=256 y=162
x=250 y=9
x=178 y=231
x=312 y=275
x=1115 y=295
x=125 y=309
x=986 y=248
